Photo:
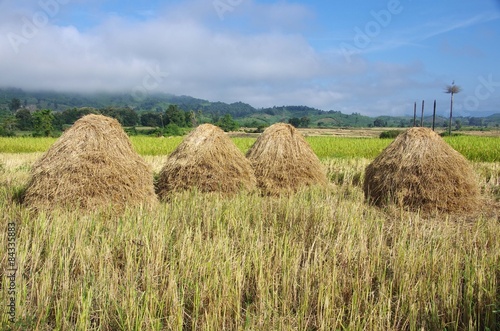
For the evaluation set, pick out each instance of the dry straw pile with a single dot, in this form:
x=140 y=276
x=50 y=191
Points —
x=284 y=162
x=91 y=165
x=207 y=160
x=420 y=170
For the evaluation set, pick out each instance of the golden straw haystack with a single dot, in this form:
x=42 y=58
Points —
x=284 y=162
x=91 y=165
x=207 y=160
x=420 y=170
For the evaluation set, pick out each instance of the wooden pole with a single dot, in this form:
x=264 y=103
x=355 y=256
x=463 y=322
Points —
x=451 y=114
x=415 y=114
x=422 y=116
x=434 y=116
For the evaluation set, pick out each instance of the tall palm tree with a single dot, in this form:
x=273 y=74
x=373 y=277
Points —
x=451 y=89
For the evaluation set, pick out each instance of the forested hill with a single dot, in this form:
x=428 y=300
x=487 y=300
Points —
x=244 y=113
x=62 y=101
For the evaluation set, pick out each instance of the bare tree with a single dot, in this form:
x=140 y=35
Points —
x=451 y=89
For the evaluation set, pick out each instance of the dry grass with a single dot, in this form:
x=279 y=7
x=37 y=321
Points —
x=209 y=161
x=313 y=260
x=284 y=162
x=420 y=171
x=91 y=165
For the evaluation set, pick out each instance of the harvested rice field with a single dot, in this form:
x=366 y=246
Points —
x=316 y=259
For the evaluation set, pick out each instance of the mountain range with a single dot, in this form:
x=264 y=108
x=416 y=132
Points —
x=244 y=113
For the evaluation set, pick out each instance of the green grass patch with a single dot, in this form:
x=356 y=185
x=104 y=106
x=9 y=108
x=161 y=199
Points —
x=481 y=149
x=25 y=144
x=145 y=145
x=330 y=147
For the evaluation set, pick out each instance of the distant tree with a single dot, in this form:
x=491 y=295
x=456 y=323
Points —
x=148 y=104
x=5 y=133
x=129 y=117
x=43 y=122
x=71 y=115
x=227 y=123
x=151 y=119
x=57 y=123
x=14 y=104
x=215 y=117
x=294 y=121
x=476 y=121
x=379 y=123
x=390 y=134
x=126 y=116
x=451 y=89
x=199 y=115
x=175 y=115
x=458 y=124
x=260 y=128
x=305 y=121
x=8 y=123
x=191 y=120
x=24 y=120
x=172 y=129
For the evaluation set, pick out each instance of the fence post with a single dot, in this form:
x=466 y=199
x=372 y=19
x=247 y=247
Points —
x=422 y=117
x=434 y=116
x=415 y=114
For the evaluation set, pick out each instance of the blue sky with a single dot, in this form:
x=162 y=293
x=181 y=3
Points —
x=369 y=57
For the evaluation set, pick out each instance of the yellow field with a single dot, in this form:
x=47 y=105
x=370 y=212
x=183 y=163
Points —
x=317 y=260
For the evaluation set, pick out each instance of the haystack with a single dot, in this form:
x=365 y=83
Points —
x=420 y=170
x=207 y=160
x=91 y=165
x=284 y=162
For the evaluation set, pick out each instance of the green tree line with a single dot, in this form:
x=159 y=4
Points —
x=45 y=122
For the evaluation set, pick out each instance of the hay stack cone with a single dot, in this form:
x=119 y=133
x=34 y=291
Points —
x=420 y=170
x=284 y=162
x=207 y=160
x=91 y=165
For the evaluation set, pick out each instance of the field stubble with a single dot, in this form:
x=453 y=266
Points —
x=317 y=260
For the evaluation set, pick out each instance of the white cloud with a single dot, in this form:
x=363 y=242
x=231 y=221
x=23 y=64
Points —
x=199 y=60
x=195 y=53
